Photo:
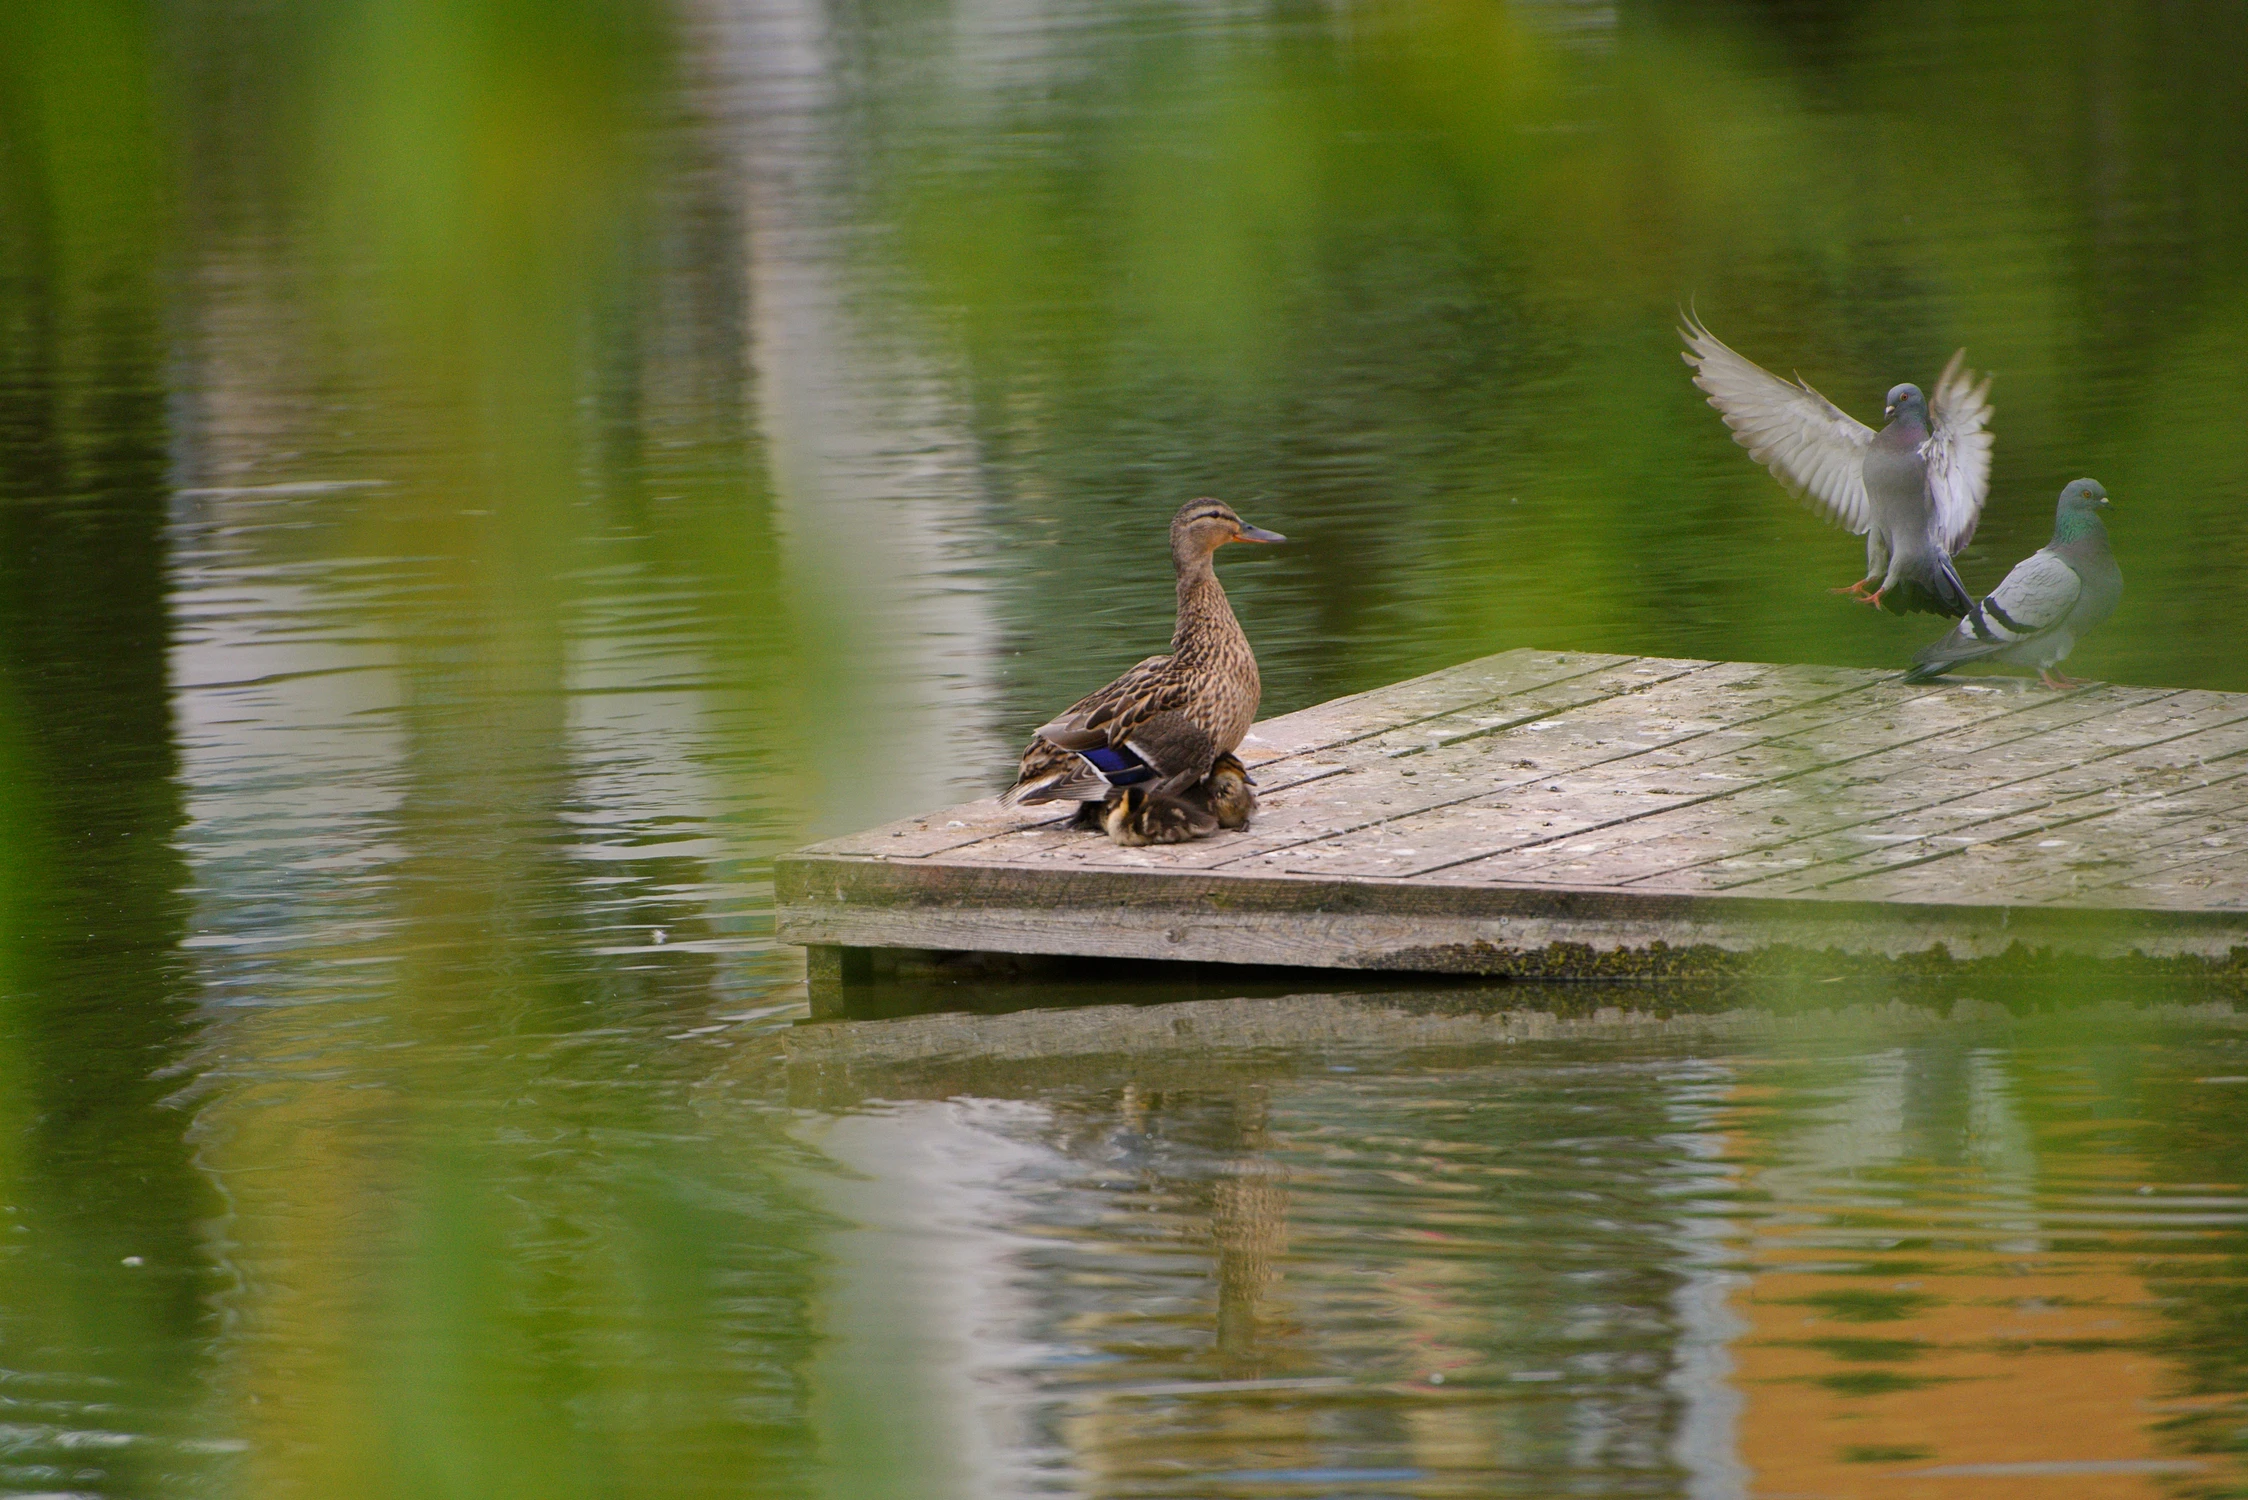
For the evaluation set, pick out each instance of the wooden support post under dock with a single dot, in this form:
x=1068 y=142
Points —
x=1559 y=813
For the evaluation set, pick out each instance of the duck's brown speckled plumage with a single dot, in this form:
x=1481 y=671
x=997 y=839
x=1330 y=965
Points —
x=1178 y=712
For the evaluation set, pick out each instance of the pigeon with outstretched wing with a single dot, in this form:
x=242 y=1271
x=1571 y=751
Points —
x=1914 y=490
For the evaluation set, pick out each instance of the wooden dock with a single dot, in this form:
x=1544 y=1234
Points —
x=1559 y=813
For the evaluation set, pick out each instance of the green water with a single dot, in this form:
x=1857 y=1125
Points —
x=479 y=478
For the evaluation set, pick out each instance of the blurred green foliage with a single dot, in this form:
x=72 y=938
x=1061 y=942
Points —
x=446 y=1207
x=1408 y=276
x=448 y=217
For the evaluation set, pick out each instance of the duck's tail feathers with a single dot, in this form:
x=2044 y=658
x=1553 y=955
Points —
x=1066 y=781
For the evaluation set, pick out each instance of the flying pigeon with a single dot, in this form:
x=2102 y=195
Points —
x=2053 y=596
x=1914 y=490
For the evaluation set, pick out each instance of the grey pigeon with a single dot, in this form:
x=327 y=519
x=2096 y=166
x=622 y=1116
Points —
x=1914 y=490
x=2053 y=596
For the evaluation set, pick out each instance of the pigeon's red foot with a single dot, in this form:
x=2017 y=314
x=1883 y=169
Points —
x=1854 y=590
x=2053 y=679
x=1874 y=598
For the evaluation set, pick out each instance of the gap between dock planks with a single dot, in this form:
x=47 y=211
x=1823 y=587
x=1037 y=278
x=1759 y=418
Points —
x=1464 y=819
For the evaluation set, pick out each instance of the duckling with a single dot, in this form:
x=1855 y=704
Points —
x=1227 y=792
x=1163 y=723
x=1135 y=816
x=1165 y=741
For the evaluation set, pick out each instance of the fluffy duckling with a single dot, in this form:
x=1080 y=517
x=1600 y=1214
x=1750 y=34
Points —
x=1135 y=816
x=1227 y=792
x=1166 y=757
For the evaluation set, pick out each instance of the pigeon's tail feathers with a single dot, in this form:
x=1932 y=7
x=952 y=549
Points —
x=1908 y=596
x=1962 y=645
x=1932 y=589
x=1927 y=671
x=1958 y=601
x=1987 y=630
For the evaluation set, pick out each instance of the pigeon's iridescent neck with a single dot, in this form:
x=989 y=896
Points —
x=2077 y=526
x=1906 y=431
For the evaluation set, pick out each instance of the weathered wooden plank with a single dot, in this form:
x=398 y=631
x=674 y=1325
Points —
x=943 y=832
x=2095 y=760
x=2044 y=858
x=1275 y=750
x=1343 y=721
x=1617 y=815
x=1469 y=819
x=2000 y=766
x=2189 y=835
x=1776 y=825
x=1374 y=775
x=1201 y=917
x=2210 y=881
x=1422 y=786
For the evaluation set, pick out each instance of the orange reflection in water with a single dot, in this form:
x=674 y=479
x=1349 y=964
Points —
x=1981 y=1325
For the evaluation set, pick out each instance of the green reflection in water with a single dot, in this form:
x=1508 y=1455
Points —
x=410 y=652
x=1411 y=272
x=103 y=1278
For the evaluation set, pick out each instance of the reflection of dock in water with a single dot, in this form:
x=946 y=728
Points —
x=1575 y=815
x=1500 y=1240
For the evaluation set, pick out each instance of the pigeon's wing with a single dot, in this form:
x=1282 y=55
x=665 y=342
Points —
x=1812 y=446
x=2030 y=601
x=2036 y=596
x=1958 y=452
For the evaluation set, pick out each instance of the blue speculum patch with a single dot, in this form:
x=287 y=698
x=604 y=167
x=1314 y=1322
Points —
x=1119 y=767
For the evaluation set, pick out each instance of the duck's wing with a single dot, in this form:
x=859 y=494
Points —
x=1108 y=715
x=1051 y=774
x=2033 y=599
x=1958 y=452
x=1180 y=750
x=1054 y=767
x=1813 y=447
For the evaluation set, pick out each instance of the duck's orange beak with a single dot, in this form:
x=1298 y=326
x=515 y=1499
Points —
x=1250 y=533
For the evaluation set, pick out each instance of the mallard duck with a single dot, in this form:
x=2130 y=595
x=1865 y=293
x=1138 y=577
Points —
x=1164 y=723
x=1135 y=815
x=1227 y=792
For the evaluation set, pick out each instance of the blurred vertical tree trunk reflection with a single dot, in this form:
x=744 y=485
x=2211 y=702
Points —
x=103 y=1291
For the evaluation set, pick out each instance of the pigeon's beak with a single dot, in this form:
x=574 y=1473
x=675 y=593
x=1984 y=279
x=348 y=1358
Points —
x=1258 y=534
x=1888 y=411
